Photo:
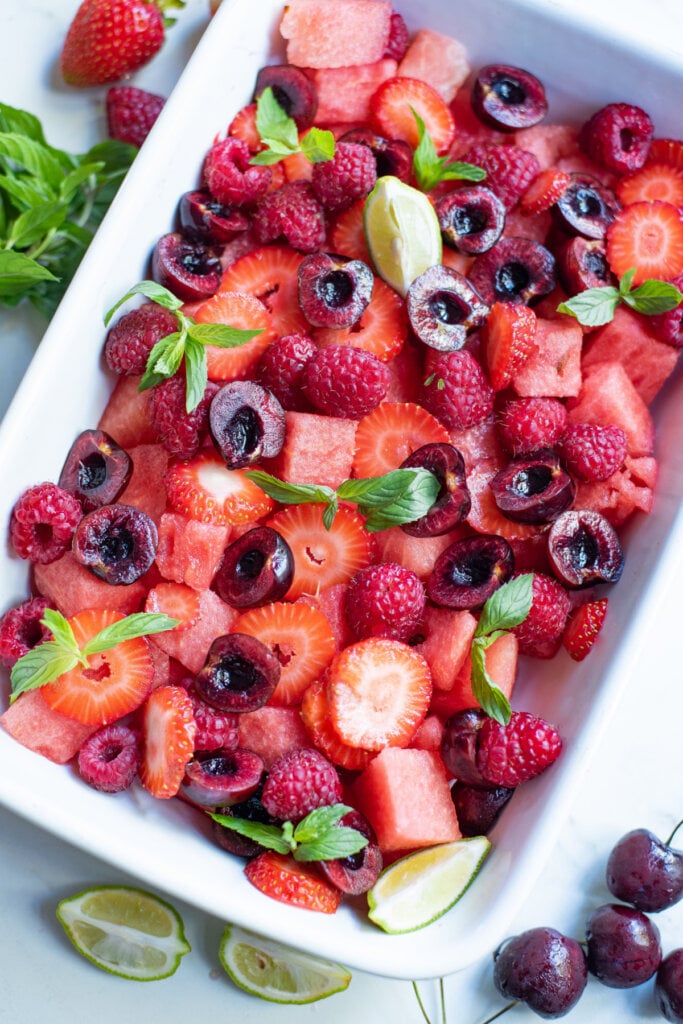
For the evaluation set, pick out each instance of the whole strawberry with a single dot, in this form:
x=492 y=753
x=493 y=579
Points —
x=108 y=39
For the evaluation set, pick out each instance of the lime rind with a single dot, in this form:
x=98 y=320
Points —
x=278 y=973
x=419 y=888
x=402 y=232
x=125 y=931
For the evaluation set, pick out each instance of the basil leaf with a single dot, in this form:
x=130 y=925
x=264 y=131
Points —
x=17 y=272
x=413 y=503
x=130 y=628
x=24 y=192
x=266 y=157
x=338 y=841
x=61 y=630
x=221 y=335
x=32 y=224
x=653 y=297
x=508 y=606
x=490 y=697
x=196 y=375
x=329 y=514
x=21 y=122
x=43 y=664
x=34 y=156
x=151 y=290
x=318 y=145
x=78 y=177
x=290 y=494
x=268 y=836
x=593 y=307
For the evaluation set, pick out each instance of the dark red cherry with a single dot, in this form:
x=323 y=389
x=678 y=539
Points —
x=334 y=290
x=293 y=90
x=508 y=98
x=669 y=987
x=543 y=969
x=586 y=207
x=221 y=778
x=533 y=488
x=645 y=872
x=514 y=270
x=118 y=543
x=96 y=469
x=240 y=673
x=247 y=423
x=191 y=270
x=443 y=308
x=623 y=946
x=357 y=873
x=584 y=549
x=255 y=569
x=453 y=501
x=471 y=219
x=469 y=571
x=202 y=218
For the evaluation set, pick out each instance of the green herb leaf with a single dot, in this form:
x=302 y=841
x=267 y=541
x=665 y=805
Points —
x=290 y=494
x=316 y=837
x=318 y=821
x=430 y=168
x=597 y=306
x=626 y=281
x=268 y=836
x=593 y=307
x=32 y=224
x=490 y=697
x=280 y=135
x=18 y=272
x=414 y=501
x=507 y=607
x=130 y=628
x=221 y=335
x=42 y=664
x=151 y=290
x=653 y=297
x=196 y=372
x=61 y=630
x=317 y=145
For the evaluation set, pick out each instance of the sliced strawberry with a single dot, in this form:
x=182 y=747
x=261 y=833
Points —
x=177 y=601
x=378 y=692
x=392 y=115
x=654 y=181
x=381 y=329
x=204 y=489
x=300 y=637
x=168 y=732
x=270 y=273
x=392 y=432
x=315 y=714
x=649 y=237
x=245 y=312
x=288 y=881
x=243 y=126
x=665 y=151
x=545 y=190
x=508 y=341
x=322 y=557
x=115 y=682
x=348 y=235
x=582 y=630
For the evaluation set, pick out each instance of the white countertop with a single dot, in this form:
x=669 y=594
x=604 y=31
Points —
x=634 y=779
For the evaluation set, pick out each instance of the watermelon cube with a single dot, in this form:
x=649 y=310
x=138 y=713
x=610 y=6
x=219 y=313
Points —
x=628 y=339
x=72 y=588
x=438 y=60
x=271 y=731
x=317 y=450
x=554 y=369
x=344 y=93
x=31 y=722
x=404 y=794
x=189 y=551
x=332 y=603
x=478 y=443
x=145 y=488
x=429 y=734
x=448 y=636
x=630 y=489
x=501 y=665
x=548 y=142
x=335 y=33
x=126 y=415
x=190 y=644
x=608 y=395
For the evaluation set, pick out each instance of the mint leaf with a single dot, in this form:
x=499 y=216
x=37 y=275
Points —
x=653 y=297
x=61 y=630
x=507 y=607
x=196 y=372
x=339 y=841
x=317 y=145
x=430 y=169
x=626 y=282
x=290 y=494
x=130 y=628
x=280 y=135
x=268 y=836
x=151 y=290
x=18 y=272
x=318 y=821
x=414 y=501
x=43 y=664
x=316 y=837
x=593 y=307
x=490 y=697
x=221 y=335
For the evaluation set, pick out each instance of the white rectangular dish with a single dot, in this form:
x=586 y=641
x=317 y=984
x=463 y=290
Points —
x=65 y=389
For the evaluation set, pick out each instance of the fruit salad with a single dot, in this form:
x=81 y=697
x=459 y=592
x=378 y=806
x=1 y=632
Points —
x=378 y=417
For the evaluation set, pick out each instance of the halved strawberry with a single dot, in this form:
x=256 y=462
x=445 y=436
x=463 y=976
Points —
x=176 y=600
x=649 y=237
x=382 y=328
x=654 y=181
x=243 y=126
x=204 y=489
x=665 y=151
x=392 y=432
x=115 y=682
x=348 y=236
x=322 y=557
x=315 y=714
x=378 y=691
x=583 y=627
x=300 y=637
x=544 y=191
x=168 y=733
x=392 y=115
x=245 y=312
x=508 y=341
x=288 y=881
x=270 y=274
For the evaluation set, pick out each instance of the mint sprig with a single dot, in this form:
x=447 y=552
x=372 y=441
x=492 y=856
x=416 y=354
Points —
x=280 y=135
x=401 y=496
x=430 y=168
x=318 y=836
x=597 y=306
x=185 y=345
x=506 y=608
x=53 y=658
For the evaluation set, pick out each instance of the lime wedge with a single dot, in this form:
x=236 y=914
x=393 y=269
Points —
x=277 y=973
x=402 y=232
x=415 y=890
x=125 y=931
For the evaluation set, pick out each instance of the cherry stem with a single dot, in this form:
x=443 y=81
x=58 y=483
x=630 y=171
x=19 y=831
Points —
x=501 y=1012
x=420 y=1003
x=442 y=1000
x=670 y=839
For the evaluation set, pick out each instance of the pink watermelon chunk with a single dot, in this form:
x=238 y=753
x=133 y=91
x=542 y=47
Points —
x=609 y=396
x=406 y=375
x=31 y=722
x=404 y=794
x=331 y=601
x=317 y=450
x=548 y=142
x=501 y=665
x=145 y=488
x=126 y=415
x=335 y=33
x=478 y=443
x=429 y=735
x=344 y=93
x=448 y=636
x=630 y=489
x=271 y=731
x=189 y=551
x=554 y=369
x=190 y=645
x=73 y=588
x=438 y=60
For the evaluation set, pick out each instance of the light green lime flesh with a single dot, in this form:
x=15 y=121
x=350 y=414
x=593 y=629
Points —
x=419 y=888
x=125 y=931
x=277 y=973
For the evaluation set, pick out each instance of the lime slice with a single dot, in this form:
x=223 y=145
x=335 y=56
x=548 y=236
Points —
x=125 y=931
x=277 y=973
x=402 y=232
x=417 y=889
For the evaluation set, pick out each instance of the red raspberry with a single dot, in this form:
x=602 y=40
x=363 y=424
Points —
x=344 y=381
x=134 y=335
x=348 y=176
x=230 y=177
x=385 y=600
x=532 y=423
x=109 y=759
x=457 y=391
x=293 y=212
x=540 y=634
x=618 y=136
x=298 y=782
x=281 y=367
x=42 y=523
x=509 y=170
x=669 y=326
x=21 y=629
x=510 y=754
x=399 y=37
x=215 y=729
x=181 y=433
x=131 y=113
x=593 y=452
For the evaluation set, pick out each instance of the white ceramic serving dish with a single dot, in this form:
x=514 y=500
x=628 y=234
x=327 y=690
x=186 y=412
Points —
x=64 y=391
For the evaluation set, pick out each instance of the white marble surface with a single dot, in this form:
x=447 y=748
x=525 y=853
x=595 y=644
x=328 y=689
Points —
x=633 y=780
